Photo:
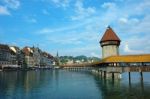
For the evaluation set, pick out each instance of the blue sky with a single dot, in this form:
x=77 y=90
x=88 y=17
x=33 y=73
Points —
x=74 y=27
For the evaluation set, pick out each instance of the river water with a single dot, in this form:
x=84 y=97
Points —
x=61 y=84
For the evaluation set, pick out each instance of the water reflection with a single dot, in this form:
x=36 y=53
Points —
x=13 y=83
x=124 y=89
x=59 y=84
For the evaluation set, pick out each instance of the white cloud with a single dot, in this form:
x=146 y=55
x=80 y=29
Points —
x=61 y=3
x=45 y=12
x=48 y=30
x=45 y=31
x=73 y=34
x=95 y=54
x=136 y=44
x=143 y=6
x=24 y=40
x=64 y=41
x=30 y=19
x=56 y=1
x=120 y=0
x=131 y=51
x=142 y=26
x=4 y=11
x=88 y=50
x=109 y=5
x=82 y=12
x=8 y=5
x=128 y=22
x=135 y=26
x=13 y=4
x=123 y=20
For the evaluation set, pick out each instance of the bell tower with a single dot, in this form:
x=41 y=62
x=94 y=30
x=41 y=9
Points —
x=110 y=43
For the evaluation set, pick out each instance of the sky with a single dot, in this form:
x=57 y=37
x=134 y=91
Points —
x=75 y=27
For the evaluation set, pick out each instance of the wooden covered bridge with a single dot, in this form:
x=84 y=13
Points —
x=112 y=65
x=115 y=61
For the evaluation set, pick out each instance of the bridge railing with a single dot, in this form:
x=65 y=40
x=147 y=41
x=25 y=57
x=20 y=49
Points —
x=125 y=68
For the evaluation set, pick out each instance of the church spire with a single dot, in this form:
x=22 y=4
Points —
x=57 y=59
x=57 y=55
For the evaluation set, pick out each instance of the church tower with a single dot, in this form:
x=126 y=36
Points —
x=57 y=59
x=110 y=43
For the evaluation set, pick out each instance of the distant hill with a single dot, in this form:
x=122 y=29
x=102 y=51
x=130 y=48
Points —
x=77 y=59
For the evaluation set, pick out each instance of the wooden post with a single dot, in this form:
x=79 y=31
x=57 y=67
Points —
x=2 y=68
x=141 y=73
x=129 y=77
x=129 y=82
x=142 y=86
x=112 y=75
x=104 y=74
x=101 y=73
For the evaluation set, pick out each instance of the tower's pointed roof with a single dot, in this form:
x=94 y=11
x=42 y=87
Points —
x=109 y=35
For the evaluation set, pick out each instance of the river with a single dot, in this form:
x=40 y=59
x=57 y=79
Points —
x=62 y=84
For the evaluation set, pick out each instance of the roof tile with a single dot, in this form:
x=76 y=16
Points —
x=110 y=35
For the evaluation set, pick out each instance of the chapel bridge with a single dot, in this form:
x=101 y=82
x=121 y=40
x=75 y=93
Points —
x=132 y=62
x=115 y=65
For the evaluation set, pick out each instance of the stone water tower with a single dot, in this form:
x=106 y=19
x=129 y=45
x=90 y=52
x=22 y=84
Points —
x=110 y=43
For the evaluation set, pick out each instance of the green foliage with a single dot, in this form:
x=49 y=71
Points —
x=63 y=61
x=82 y=58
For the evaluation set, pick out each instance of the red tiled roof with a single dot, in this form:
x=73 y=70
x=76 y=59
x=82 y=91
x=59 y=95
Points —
x=110 y=35
x=45 y=54
x=26 y=51
x=50 y=56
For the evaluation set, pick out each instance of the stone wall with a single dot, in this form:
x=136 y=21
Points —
x=110 y=50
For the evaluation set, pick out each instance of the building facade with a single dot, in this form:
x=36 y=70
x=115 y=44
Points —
x=5 y=55
x=46 y=60
x=14 y=53
x=29 y=59
x=110 y=43
x=37 y=56
x=12 y=56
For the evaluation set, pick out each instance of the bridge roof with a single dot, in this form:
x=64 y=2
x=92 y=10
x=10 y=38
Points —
x=109 y=35
x=128 y=58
